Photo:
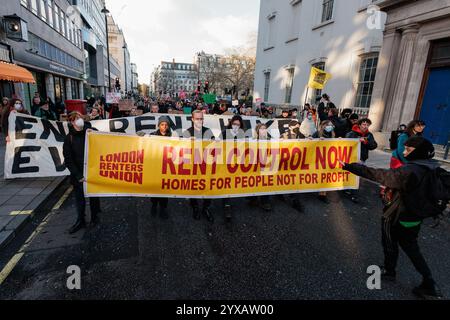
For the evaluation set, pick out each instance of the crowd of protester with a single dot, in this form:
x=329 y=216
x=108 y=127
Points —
x=411 y=154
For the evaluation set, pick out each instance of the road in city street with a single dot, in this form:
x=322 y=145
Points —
x=323 y=253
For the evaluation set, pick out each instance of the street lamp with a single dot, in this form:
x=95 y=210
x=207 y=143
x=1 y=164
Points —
x=106 y=12
x=125 y=66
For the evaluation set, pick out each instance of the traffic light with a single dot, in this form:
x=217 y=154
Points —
x=199 y=86
x=206 y=87
x=117 y=84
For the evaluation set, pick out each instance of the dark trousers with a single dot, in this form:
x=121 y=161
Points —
x=163 y=202
x=395 y=235
x=81 y=202
x=206 y=203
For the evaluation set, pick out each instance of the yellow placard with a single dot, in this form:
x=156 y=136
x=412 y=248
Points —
x=318 y=78
x=125 y=165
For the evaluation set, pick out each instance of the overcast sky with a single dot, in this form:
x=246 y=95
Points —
x=157 y=30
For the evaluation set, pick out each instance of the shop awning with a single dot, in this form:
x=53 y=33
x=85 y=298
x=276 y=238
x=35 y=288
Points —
x=12 y=72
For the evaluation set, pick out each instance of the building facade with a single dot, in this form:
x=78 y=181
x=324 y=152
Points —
x=333 y=35
x=119 y=51
x=134 y=79
x=53 y=52
x=93 y=28
x=413 y=78
x=173 y=78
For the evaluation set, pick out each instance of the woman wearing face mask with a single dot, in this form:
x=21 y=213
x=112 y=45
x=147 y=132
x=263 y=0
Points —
x=308 y=127
x=73 y=151
x=414 y=128
x=235 y=131
x=293 y=132
x=17 y=107
x=163 y=131
x=326 y=131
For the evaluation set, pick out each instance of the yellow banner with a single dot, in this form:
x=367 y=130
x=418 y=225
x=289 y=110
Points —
x=318 y=78
x=125 y=165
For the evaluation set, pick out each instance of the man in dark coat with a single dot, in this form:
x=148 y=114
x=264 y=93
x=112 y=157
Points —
x=199 y=132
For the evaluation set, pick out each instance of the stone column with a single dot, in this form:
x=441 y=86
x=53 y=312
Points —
x=383 y=81
x=402 y=77
x=69 y=89
x=81 y=89
x=50 y=86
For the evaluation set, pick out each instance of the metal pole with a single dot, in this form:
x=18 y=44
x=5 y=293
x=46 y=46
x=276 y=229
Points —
x=125 y=68
x=107 y=49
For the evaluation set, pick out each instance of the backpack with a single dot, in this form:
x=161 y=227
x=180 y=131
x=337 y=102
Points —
x=437 y=197
x=393 y=141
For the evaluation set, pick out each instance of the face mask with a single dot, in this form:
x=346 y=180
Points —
x=310 y=117
x=79 y=123
x=329 y=129
x=18 y=106
x=235 y=128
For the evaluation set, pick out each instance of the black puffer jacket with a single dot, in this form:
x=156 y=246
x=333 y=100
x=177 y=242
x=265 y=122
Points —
x=407 y=181
x=73 y=151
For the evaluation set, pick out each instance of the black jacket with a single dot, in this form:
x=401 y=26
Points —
x=158 y=133
x=73 y=151
x=226 y=134
x=370 y=145
x=407 y=181
x=206 y=133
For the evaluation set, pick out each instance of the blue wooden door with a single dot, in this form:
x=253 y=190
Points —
x=436 y=106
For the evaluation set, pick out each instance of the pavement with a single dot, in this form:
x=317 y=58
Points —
x=322 y=253
x=20 y=199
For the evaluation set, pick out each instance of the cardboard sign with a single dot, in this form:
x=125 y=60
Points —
x=113 y=97
x=126 y=105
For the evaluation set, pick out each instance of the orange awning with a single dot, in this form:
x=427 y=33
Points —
x=12 y=72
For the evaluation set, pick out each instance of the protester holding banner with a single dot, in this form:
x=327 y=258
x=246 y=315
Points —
x=262 y=134
x=73 y=151
x=234 y=131
x=326 y=131
x=294 y=134
x=163 y=131
x=17 y=107
x=294 y=131
x=199 y=132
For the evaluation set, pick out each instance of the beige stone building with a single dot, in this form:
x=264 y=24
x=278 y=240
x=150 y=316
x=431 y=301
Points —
x=413 y=76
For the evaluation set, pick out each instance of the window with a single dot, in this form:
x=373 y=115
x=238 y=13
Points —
x=43 y=10
x=68 y=30
x=327 y=10
x=50 y=12
x=321 y=66
x=366 y=81
x=266 y=86
x=63 y=22
x=24 y=3
x=57 y=22
x=289 y=85
x=271 y=33
x=34 y=7
x=295 y=22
